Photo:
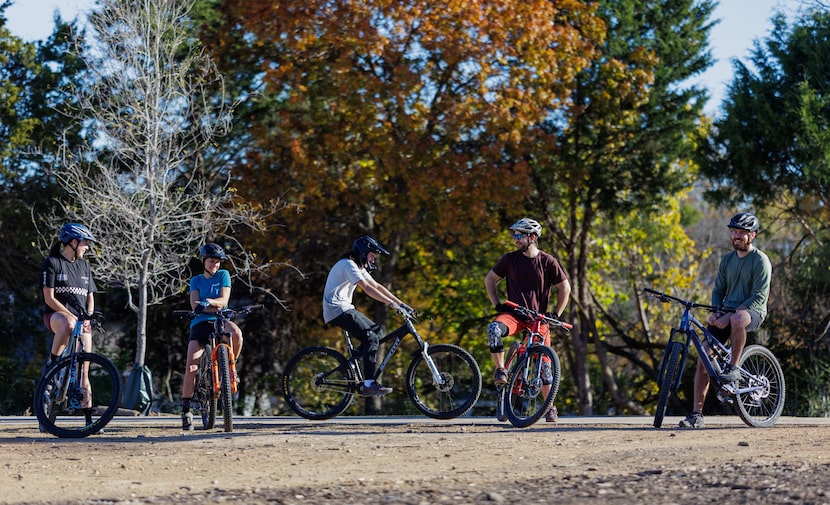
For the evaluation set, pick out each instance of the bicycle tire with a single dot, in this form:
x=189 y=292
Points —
x=225 y=387
x=669 y=370
x=318 y=383
x=461 y=387
x=761 y=409
x=208 y=402
x=500 y=415
x=524 y=404
x=62 y=414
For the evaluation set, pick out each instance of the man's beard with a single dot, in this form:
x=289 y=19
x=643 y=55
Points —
x=741 y=245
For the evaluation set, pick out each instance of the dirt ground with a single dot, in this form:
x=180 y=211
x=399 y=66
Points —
x=470 y=461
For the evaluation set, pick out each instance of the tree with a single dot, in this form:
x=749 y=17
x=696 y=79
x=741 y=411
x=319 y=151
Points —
x=397 y=119
x=625 y=144
x=151 y=114
x=770 y=151
x=31 y=105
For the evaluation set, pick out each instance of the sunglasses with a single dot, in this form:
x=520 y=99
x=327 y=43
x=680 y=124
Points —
x=519 y=236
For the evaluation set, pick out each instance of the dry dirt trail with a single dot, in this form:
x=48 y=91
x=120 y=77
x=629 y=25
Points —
x=418 y=461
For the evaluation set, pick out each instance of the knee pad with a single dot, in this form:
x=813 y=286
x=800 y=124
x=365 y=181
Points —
x=547 y=373
x=496 y=331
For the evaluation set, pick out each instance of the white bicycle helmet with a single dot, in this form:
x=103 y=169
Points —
x=527 y=225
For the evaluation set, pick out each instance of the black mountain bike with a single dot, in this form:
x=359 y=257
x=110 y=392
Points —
x=216 y=377
x=443 y=381
x=758 y=397
x=79 y=393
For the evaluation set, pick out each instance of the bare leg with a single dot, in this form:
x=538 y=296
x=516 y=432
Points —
x=701 y=387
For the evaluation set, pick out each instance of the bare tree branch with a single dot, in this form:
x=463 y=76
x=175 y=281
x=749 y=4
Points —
x=152 y=109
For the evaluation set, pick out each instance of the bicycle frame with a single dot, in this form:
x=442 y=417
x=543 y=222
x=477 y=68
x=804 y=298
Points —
x=397 y=336
x=689 y=326
x=73 y=348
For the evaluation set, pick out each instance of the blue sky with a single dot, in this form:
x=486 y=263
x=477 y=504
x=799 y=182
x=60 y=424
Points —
x=741 y=22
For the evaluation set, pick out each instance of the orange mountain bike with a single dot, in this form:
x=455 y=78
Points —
x=216 y=377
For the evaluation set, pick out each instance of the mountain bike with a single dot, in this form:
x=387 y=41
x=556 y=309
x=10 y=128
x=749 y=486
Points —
x=757 y=398
x=443 y=381
x=79 y=393
x=531 y=365
x=216 y=377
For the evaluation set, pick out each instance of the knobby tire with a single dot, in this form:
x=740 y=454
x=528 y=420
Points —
x=225 y=387
x=208 y=401
x=318 y=383
x=760 y=409
x=64 y=417
x=524 y=402
x=461 y=385
x=500 y=390
x=669 y=371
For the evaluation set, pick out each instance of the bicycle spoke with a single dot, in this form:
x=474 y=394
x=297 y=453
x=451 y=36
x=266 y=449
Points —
x=317 y=383
x=454 y=393
x=763 y=404
x=70 y=406
x=525 y=398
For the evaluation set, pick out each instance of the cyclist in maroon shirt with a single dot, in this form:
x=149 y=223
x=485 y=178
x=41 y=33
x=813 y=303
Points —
x=531 y=275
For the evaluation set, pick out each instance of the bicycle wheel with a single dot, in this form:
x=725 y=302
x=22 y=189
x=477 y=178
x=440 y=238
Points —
x=524 y=402
x=762 y=406
x=669 y=372
x=61 y=400
x=461 y=382
x=318 y=383
x=225 y=387
x=500 y=415
x=204 y=389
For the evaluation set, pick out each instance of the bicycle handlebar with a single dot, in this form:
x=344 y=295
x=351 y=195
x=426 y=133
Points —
x=663 y=297
x=83 y=315
x=538 y=316
x=225 y=313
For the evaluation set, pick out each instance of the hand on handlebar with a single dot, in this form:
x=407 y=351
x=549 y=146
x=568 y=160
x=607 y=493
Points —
x=405 y=310
x=503 y=307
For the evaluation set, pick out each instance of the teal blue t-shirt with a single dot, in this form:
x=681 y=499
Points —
x=209 y=288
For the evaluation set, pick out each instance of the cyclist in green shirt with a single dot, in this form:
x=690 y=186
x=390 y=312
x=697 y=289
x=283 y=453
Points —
x=742 y=284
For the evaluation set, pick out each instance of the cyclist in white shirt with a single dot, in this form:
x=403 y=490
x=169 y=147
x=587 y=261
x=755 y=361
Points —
x=352 y=270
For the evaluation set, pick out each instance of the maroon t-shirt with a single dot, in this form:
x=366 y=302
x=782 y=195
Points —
x=529 y=280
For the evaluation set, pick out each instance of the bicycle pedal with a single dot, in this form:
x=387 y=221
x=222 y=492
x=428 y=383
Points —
x=725 y=398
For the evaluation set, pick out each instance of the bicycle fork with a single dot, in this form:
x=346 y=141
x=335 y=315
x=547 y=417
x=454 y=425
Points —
x=215 y=364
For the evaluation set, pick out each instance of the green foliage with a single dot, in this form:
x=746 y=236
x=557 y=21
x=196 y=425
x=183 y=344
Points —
x=770 y=149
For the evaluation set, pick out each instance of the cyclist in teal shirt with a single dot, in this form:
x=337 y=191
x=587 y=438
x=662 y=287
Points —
x=209 y=291
x=742 y=285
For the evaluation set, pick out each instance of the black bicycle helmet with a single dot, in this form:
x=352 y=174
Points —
x=361 y=249
x=74 y=231
x=211 y=250
x=528 y=226
x=744 y=221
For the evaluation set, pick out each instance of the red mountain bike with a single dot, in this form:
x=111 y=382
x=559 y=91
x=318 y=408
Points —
x=533 y=373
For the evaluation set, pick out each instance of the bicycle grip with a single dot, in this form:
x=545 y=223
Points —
x=512 y=305
x=567 y=326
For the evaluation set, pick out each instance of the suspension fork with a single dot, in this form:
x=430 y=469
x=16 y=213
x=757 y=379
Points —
x=436 y=374
x=215 y=365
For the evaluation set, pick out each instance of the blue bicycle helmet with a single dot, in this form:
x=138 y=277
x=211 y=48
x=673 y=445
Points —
x=361 y=249
x=211 y=250
x=75 y=231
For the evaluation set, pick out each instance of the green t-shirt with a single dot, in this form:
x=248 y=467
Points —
x=743 y=281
